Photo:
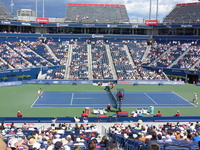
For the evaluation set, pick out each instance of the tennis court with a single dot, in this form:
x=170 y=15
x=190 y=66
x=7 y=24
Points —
x=102 y=98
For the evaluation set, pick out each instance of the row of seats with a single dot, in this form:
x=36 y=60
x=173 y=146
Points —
x=26 y=54
x=184 y=14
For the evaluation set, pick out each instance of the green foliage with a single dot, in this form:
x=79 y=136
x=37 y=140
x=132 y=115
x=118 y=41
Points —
x=4 y=78
x=27 y=76
x=22 y=77
x=172 y=77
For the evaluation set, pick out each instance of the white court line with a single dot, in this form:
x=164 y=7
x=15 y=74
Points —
x=72 y=99
x=87 y=98
x=73 y=104
x=150 y=98
x=35 y=101
x=183 y=99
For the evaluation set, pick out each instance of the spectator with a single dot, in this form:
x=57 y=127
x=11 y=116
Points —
x=140 y=114
x=197 y=136
x=134 y=114
x=2 y=144
x=79 y=142
x=85 y=119
x=58 y=145
x=76 y=119
x=108 y=108
x=153 y=146
x=12 y=131
x=92 y=145
x=188 y=138
x=54 y=119
x=76 y=148
x=19 y=132
x=19 y=114
x=69 y=139
x=159 y=114
x=56 y=138
x=119 y=94
x=104 y=141
x=13 y=144
x=83 y=114
x=177 y=114
x=112 y=146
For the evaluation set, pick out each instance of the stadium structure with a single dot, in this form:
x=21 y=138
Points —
x=95 y=45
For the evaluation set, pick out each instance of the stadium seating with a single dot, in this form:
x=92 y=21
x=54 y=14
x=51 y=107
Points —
x=125 y=57
x=97 y=13
x=183 y=14
x=100 y=62
x=4 y=12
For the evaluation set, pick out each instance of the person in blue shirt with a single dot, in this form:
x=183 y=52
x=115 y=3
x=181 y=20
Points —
x=197 y=136
x=140 y=114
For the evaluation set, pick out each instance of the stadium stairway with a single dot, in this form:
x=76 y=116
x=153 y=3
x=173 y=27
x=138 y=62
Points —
x=110 y=62
x=161 y=55
x=193 y=67
x=90 y=73
x=50 y=51
x=66 y=77
x=129 y=56
x=1 y=59
x=146 y=54
x=38 y=55
x=181 y=56
x=22 y=57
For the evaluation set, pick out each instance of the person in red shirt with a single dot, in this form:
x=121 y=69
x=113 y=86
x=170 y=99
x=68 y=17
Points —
x=83 y=114
x=159 y=114
x=120 y=95
x=177 y=114
x=108 y=107
x=19 y=114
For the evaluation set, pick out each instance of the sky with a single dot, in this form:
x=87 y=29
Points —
x=137 y=9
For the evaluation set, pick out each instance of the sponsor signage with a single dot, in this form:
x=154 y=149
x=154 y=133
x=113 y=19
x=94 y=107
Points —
x=26 y=24
x=10 y=83
x=56 y=82
x=5 y=22
x=151 y=22
x=97 y=36
x=151 y=82
x=42 y=20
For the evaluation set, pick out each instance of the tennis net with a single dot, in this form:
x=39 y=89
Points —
x=112 y=99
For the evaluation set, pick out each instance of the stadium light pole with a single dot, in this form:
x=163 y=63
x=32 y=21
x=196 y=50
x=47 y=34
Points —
x=36 y=2
x=157 y=11
x=150 y=10
x=43 y=9
x=11 y=5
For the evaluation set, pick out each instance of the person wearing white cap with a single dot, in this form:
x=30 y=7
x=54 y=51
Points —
x=195 y=98
x=57 y=138
x=78 y=142
x=19 y=114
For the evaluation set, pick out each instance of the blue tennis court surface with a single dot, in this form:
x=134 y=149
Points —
x=101 y=99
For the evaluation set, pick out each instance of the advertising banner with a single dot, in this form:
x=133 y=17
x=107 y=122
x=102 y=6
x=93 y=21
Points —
x=151 y=82
x=10 y=83
x=42 y=20
x=151 y=22
x=49 y=82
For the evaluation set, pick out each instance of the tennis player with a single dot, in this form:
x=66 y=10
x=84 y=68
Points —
x=195 y=98
x=40 y=93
